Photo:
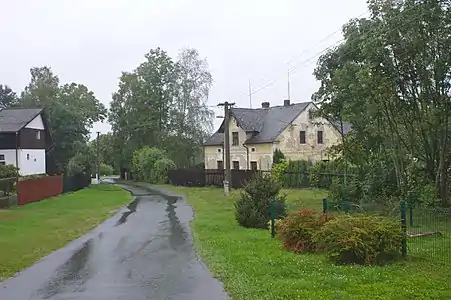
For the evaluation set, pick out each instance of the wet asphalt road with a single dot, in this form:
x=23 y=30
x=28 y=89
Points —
x=144 y=252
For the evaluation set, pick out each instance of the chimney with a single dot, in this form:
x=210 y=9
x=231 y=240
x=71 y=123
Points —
x=286 y=102
x=265 y=104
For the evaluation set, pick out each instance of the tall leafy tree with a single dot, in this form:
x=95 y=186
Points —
x=162 y=104
x=7 y=97
x=70 y=109
x=391 y=80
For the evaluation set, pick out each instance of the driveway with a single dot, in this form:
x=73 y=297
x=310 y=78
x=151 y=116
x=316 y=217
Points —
x=144 y=252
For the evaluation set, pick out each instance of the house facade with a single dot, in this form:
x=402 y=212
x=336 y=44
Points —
x=23 y=140
x=256 y=133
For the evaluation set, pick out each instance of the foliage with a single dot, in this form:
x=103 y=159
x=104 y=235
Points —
x=252 y=207
x=7 y=97
x=144 y=160
x=162 y=103
x=339 y=191
x=362 y=240
x=81 y=163
x=297 y=230
x=278 y=156
x=252 y=266
x=297 y=174
x=161 y=168
x=278 y=170
x=70 y=110
x=8 y=171
x=106 y=170
x=390 y=79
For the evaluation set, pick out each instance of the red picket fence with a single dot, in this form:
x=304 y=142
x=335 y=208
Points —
x=36 y=189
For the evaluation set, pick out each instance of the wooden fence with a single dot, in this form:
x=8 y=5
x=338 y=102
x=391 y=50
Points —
x=209 y=177
x=36 y=189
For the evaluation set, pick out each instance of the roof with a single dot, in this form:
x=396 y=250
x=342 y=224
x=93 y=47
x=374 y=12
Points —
x=14 y=119
x=267 y=123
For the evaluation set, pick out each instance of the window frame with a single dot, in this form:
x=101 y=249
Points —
x=320 y=137
x=220 y=162
x=233 y=165
x=254 y=163
x=2 y=159
x=304 y=140
x=237 y=136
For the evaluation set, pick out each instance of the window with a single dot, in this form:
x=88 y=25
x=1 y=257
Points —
x=253 y=165
x=219 y=149
x=2 y=159
x=28 y=156
x=38 y=135
x=302 y=137
x=236 y=165
x=310 y=115
x=253 y=149
x=235 y=139
x=320 y=137
x=220 y=165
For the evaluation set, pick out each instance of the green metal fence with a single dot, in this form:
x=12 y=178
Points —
x=427 y=230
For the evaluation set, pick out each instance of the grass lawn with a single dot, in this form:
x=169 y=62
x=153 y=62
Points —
x=253 y=266
x=30 y=232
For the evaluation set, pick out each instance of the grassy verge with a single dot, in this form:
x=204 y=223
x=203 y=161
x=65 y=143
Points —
x=30 y=232
x=253 y=266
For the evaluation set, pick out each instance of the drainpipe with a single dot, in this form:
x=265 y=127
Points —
x=247 y=156
x=17 y=151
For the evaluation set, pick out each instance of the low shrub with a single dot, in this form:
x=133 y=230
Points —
x=252 y=207
x=364 y=240
x=297 y=230
x=161 y=169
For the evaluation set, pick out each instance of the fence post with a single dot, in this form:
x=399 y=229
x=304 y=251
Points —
x=324 y=205
x=345 y=204
x=272 y=215
x=404 y=228
x=411 y=211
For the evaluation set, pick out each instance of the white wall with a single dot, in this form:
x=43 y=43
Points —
x=31 y=161
x=36 y=123
x=10 y=156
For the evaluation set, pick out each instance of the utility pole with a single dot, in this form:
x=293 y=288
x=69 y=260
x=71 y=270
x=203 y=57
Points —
x=98 y=158
x=227 y=173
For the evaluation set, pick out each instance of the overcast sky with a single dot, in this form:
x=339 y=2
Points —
x=91 y=42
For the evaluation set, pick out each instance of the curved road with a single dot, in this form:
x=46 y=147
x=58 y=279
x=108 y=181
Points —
x=144 y=252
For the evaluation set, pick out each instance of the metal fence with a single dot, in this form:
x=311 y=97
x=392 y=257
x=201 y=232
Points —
x=75 y=182
x=427 y=229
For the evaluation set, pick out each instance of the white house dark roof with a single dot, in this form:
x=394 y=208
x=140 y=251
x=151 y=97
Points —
x=265 y=123
x=14 y=119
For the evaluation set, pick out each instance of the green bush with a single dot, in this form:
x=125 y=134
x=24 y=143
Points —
x=364 y=240
x=8 y=171
x=252 y=207
x=339 y=191
x=297 y=174
x=278 y=171
x=106 y=170
x=143 y=162
x=297 y=230
x=278 y=156
x=161 y=168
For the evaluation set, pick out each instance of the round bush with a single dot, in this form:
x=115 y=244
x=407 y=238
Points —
x=296 y=231
x=252 y=209
x=364 y=240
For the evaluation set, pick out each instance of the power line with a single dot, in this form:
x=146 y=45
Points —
x=297 y=66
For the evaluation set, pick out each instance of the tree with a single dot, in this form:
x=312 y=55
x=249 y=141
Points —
x=70 y=109
x=391 y=79
x=7 y=97
x=162 y=104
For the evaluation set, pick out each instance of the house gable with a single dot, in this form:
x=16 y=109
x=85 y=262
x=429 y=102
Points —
x=36 y=123
x=289 y=140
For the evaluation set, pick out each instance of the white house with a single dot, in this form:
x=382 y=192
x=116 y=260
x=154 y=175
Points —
x=23 y=140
